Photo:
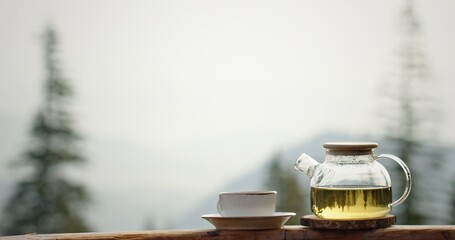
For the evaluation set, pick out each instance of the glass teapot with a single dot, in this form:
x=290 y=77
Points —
x=350 y=183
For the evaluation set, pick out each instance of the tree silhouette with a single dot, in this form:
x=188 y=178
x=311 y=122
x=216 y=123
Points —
x=411 y=115
x=284 y=180
x=44 y=201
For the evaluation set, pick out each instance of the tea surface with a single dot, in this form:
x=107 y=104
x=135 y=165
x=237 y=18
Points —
x=351 y=202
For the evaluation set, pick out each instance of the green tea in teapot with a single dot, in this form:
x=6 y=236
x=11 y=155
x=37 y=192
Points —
x=351 y=202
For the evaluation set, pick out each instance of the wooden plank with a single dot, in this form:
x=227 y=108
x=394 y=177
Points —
x=402 y=232
x=212 y=234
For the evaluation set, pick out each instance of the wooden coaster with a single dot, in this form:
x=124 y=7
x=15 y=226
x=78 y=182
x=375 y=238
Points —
x=314 y=222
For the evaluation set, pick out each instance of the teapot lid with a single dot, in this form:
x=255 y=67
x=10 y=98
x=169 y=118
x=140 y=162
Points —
x=350 y=147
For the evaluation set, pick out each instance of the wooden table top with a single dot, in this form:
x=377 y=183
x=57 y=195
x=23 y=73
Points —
x=432 y=232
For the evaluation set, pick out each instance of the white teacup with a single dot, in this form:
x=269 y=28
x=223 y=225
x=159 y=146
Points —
x=254 y=203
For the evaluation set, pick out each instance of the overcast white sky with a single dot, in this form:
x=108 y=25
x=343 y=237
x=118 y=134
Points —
x=218 y=85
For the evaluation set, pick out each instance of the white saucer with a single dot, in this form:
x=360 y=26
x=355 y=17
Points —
x=274 y=221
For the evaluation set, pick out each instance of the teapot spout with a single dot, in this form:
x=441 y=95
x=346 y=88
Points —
x=306 y=164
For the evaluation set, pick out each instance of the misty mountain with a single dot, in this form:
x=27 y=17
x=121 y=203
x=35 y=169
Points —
x=133 y=189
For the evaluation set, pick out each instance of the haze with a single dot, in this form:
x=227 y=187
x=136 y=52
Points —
x=196 y=93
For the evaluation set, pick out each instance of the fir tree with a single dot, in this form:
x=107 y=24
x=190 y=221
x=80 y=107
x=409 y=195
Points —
x=44 y=201
x=411 y=113
x=290 y=196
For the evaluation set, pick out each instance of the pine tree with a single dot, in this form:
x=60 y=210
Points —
x=290 y=196
x=413 y=114
x=46 y=202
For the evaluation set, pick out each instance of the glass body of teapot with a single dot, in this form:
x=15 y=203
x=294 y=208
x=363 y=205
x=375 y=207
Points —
x=350 y=183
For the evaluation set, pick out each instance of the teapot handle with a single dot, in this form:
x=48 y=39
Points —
x=407 y=173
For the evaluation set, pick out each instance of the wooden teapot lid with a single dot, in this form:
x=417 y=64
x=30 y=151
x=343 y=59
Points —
x=350 y=147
